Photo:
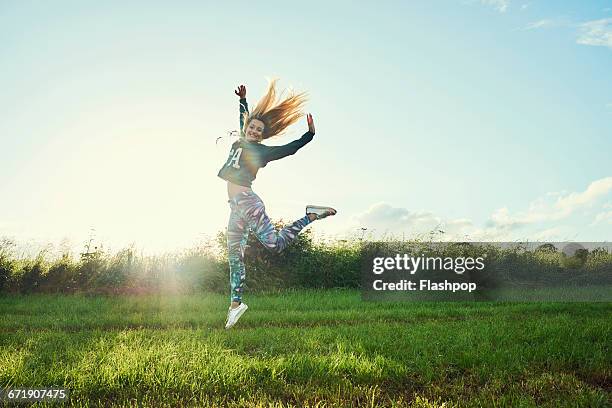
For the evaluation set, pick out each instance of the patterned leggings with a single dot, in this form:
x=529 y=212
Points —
x=249 y=214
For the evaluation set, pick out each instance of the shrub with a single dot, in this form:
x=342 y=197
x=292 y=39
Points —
x=61 y=276
x=31 y=275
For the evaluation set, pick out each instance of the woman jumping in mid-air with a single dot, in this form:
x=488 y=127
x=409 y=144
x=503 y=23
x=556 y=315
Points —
x=247 y=155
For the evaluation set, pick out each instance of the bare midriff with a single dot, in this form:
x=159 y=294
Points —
x=233 y=189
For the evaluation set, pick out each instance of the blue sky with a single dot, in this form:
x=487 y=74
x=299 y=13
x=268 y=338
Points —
x=488 y=119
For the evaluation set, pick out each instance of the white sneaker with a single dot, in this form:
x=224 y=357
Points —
x=234 y=314
x=320 y=212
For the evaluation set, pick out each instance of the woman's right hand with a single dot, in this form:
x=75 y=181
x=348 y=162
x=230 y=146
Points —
x=241 y=91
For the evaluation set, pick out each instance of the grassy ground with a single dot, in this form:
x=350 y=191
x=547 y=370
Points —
x=307 y=348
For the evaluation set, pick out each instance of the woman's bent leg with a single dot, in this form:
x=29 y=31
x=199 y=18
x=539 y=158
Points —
x=259 y=222
x=237 y=235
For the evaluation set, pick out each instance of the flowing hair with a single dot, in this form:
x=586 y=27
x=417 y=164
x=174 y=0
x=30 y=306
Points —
x=277 y=115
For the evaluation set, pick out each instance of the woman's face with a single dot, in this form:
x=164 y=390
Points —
x=254 y=130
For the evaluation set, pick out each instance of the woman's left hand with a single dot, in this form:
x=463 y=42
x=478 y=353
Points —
x=311 y=126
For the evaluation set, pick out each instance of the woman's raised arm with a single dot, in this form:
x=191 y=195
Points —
x=244 y=106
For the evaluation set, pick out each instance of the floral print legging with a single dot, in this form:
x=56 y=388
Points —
x=249 y=214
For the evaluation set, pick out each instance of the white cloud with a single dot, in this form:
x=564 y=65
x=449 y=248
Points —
x=547 y=23
x=524 y=6
x=544 y=23
x=499 y=5
x=383 y=218
x=539 y=24
x=542 y=210
x=594 y=191
x=558 y=233
x=604 y=217
x=596 y=33
x=386 y=218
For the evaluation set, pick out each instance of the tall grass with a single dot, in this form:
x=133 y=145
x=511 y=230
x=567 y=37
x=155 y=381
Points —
x=304 y=264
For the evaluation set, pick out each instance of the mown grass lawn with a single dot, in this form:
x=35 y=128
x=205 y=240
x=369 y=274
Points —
x=307 y=348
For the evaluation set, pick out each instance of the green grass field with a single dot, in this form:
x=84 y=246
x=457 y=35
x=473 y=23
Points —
x=307 y=348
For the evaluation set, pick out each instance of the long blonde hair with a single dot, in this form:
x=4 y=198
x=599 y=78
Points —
x=276 y=115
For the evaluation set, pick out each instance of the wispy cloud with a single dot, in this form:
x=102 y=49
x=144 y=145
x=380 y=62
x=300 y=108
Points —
x=383 y=218
x=603 y=217
x=499 y=5
x=502 y=224
x=544 y=23
x=596 y=33
x=542 y=210
x=524 y=6
x=559 y=233
x=594 y=191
